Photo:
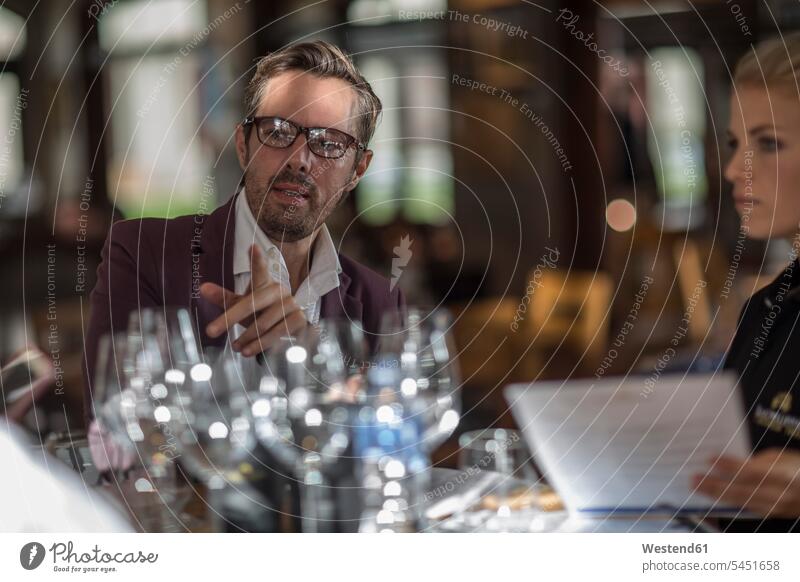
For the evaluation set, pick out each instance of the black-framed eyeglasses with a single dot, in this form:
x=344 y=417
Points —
x=325 y=142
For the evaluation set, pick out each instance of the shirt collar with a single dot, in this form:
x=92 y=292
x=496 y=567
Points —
x=325 y=262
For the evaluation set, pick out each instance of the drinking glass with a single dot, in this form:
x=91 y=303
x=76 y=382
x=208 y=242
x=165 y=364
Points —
x=149 y=493
x=305 y=417
x=113 y=404
x=394 y=469
x=163 y=354
x=218 y=435
x=417 y=355
x=347 y=336
x=172 y=330
x=499 y=450
x=498 y=461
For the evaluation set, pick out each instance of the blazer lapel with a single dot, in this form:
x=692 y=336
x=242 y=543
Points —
x=340 y=303
x=215 y=263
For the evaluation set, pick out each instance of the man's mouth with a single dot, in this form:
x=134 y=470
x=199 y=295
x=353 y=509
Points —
x=291 y=189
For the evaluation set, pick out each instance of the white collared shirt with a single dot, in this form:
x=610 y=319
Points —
x=323 y=275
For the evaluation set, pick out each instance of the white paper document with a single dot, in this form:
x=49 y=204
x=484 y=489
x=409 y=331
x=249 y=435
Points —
x=620 y=444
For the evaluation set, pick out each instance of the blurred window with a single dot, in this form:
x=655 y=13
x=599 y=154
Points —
x=676 y=105
x=411 y=171
x=13 y=101
x=374 y=12
x=377 y=192
x=157 y=162
x=12 y=35
x=143 y=24
x=410 y=176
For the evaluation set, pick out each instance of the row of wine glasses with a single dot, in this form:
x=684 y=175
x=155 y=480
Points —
x=314 y=414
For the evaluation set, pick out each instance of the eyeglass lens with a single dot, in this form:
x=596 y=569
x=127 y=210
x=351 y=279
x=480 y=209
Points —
x=280 y=133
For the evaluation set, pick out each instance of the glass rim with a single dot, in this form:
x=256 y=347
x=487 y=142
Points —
x=472 y=439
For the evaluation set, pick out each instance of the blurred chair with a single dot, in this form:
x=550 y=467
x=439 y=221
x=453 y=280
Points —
x=570 y=309
x=483 y=333
x=490 y=357
x=694 y=295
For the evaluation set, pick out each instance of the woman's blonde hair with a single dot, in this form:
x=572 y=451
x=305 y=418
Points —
x=773 y=62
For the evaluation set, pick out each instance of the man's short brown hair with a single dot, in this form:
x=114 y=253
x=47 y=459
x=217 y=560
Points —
x=321 y=59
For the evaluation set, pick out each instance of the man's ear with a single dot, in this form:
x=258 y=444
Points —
x=359 y=170
x=241 y=148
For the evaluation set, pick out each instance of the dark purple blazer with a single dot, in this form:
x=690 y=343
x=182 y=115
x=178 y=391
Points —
x=152 y=262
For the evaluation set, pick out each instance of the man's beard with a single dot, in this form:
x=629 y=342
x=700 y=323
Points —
x=286 y=223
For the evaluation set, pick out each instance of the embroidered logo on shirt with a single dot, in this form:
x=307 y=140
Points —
x=782 y=401
x=777 y=418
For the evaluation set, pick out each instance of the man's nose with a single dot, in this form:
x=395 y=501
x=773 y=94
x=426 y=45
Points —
x=299 y=158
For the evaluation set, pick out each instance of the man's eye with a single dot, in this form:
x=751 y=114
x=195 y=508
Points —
x=331 y=146
x=278 y=134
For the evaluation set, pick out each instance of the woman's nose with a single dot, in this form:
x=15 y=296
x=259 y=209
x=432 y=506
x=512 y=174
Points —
x=734 y=168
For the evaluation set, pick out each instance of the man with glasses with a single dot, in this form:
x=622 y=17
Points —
x=263 y=265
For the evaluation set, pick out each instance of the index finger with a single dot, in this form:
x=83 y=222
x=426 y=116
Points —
x=247 y=306
x=259 y=272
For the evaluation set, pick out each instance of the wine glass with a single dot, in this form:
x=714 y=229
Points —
x=503 y=468
x=218 y=435
x=347 y=336
x=170 y=334
x=172 y=329
x=216 y=438
x=119 y=439
x=112 y=403
x=418 y=355
x=499 y=450
x=308 y=425
x=394 y=468
x=163 y=353
x=169 y=352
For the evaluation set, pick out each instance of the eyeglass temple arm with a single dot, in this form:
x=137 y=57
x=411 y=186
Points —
x=247 y=124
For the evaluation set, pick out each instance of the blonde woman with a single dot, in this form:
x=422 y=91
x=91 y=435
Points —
x=764 y=168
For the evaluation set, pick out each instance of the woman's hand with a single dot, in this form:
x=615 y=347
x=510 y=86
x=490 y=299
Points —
x=767 y=483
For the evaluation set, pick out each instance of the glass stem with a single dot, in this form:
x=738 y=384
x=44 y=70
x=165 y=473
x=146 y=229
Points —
x=315 y=504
